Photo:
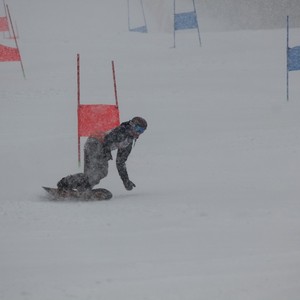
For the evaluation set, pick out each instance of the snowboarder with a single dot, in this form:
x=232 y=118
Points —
x=97 y=153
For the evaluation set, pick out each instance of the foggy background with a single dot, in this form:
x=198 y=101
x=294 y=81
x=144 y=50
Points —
x=245 y=14
x=220 y=15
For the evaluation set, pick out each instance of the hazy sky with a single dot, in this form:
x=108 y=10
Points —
x=247 y=14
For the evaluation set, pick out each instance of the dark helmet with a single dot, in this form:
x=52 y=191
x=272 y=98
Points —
x=139 y=121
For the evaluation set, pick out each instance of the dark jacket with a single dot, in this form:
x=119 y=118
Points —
x=119 y=138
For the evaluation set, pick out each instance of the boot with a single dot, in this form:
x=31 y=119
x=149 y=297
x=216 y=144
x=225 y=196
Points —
x=77 y=182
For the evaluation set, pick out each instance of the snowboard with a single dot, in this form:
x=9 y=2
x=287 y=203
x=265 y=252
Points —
x=95 y=194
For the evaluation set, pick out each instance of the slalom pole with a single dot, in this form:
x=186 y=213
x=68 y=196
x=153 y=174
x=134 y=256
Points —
x=17 y=30
x=287 y=55
x=128 y=9
x=143 y=11
x=197 y=23
x=115 y=83
x=174 y=26
x=78 y=107
x=14 y=36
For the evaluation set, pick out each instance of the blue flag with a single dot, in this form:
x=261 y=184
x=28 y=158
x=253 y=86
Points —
x=142 y=29
x=185 y=20
x=293 y=58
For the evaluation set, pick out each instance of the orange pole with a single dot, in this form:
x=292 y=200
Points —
x=115 y=83
x=78 y=107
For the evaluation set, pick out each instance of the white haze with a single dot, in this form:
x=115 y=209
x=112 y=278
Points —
x=215 y=212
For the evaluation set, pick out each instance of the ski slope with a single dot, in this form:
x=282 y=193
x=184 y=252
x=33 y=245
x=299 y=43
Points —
x=215 y=211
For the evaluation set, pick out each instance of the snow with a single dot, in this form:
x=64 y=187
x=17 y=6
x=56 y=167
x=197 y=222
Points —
x=215 y=211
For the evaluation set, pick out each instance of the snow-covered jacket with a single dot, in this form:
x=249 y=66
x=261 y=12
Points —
x=121 y=139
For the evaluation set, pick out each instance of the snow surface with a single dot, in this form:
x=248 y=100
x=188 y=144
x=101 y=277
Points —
x=215 y=211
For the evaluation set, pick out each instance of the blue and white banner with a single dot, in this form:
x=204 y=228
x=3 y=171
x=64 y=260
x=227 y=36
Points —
x=187 y=20
x=293 y=58
x=136 y=16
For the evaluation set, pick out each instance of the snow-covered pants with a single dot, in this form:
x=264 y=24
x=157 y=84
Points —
x=95 y=161
x=95 y=167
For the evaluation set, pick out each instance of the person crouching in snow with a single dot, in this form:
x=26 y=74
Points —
x=97 y=153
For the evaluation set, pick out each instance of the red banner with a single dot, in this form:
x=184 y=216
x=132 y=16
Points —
x=3 y=24
x=9 y=54
x=98 y=117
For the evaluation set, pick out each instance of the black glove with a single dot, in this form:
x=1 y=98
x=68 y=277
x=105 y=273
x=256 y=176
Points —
x=129 y=185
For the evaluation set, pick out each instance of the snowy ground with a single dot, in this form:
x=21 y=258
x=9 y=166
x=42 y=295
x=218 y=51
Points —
x=215 y=214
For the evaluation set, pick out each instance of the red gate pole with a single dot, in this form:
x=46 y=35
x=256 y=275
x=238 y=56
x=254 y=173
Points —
x=78 y=107
x=15 y=41
x=115 y=83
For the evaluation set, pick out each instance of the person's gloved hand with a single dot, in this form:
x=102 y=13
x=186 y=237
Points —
x=109 y=156
x=129 y=185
